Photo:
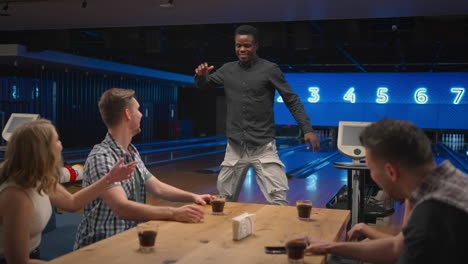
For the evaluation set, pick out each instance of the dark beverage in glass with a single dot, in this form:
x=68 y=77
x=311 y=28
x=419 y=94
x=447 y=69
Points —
x=147 y=238
x=304 y=207
x=217 y=204
x=147 y=233
x=304 y=210
x=295 y=249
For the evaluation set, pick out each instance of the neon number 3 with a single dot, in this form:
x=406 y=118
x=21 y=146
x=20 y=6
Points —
x=382 y=96
x=314 y=95
x=420 y=96
x=350 y=95
x=460 y=91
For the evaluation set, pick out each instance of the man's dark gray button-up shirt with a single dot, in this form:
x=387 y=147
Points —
x=250 y=91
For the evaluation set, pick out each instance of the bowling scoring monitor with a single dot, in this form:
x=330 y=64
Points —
x=15 y=120
x=348 y=139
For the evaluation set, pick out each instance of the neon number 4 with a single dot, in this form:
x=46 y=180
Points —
x=314 y=95
x=382 y=96
x=420 y=96
x=350 y=95
x=460 y=91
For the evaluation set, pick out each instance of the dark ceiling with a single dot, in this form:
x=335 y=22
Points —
x=339 y=39
x=410 y=44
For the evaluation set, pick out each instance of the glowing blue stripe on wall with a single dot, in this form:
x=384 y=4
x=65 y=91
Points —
x=430 y=100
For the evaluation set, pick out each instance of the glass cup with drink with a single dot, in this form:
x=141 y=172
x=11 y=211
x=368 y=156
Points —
x=147 y=233
x=304 y=207
x=295 y=249
x=217 y=204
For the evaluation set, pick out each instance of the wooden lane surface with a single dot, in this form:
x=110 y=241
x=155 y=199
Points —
x=211 y=241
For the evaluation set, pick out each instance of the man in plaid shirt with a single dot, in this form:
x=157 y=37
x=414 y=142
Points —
x=122 y=206
x=401 y=161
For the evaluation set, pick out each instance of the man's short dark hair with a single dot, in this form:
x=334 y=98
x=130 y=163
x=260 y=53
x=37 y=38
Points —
x=112 y=104
x=398 y=141
x=247 y=30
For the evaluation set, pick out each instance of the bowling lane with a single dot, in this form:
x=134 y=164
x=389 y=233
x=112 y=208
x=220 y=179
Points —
x=297 y=156
x=458 y=156
x=323 y=183
x=319 y=186
x=164 y=151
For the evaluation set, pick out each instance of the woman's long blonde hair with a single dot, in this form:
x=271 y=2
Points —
x=31 y=160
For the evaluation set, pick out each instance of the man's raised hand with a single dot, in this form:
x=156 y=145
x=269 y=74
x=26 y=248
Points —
x=203 y=69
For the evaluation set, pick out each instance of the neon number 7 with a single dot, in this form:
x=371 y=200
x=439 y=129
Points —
x=314 y=95
x=460 y=91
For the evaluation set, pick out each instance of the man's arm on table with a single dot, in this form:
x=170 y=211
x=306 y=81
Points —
x=361 y=229
x=117 y=200
x=385 y=250
x=171 y=193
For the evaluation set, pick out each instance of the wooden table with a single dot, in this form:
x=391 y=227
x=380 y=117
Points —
x=211 y=241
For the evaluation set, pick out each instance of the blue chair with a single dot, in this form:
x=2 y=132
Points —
x=59 y=235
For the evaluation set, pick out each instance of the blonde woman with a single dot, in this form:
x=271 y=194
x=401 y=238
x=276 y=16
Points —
x=29 y=179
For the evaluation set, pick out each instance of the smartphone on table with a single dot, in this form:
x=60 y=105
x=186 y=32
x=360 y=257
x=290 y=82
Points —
x=275 y=250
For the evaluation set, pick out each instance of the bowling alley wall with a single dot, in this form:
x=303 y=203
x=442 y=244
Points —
x=69 y=98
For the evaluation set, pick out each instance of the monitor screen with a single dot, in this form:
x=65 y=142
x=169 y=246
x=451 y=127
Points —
x=14 y=121
x=351 y=135
x=348 y=139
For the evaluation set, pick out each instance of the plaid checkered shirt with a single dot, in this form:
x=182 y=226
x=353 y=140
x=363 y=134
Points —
x=99 y=221
x=446 y=184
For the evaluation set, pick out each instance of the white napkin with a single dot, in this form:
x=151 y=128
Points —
x=242 y=226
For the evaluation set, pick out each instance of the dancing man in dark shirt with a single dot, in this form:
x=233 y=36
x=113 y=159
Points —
x=250 y=85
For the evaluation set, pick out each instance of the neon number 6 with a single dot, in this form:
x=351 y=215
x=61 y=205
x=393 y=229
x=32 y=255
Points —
x=314 y=95
x=460 y=91
x=420 y=96
x=382 y=96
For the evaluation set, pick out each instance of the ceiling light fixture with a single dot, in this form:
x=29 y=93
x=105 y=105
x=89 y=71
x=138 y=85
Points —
x=168 y=4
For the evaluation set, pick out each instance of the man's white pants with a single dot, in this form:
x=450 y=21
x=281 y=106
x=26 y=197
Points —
x=269 y=172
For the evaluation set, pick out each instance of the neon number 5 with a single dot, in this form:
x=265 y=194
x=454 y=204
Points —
x=420 y=96
x=314 y=95
x=350 y=95
x=460 y=91
x=382 y=96
x=279 y=99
